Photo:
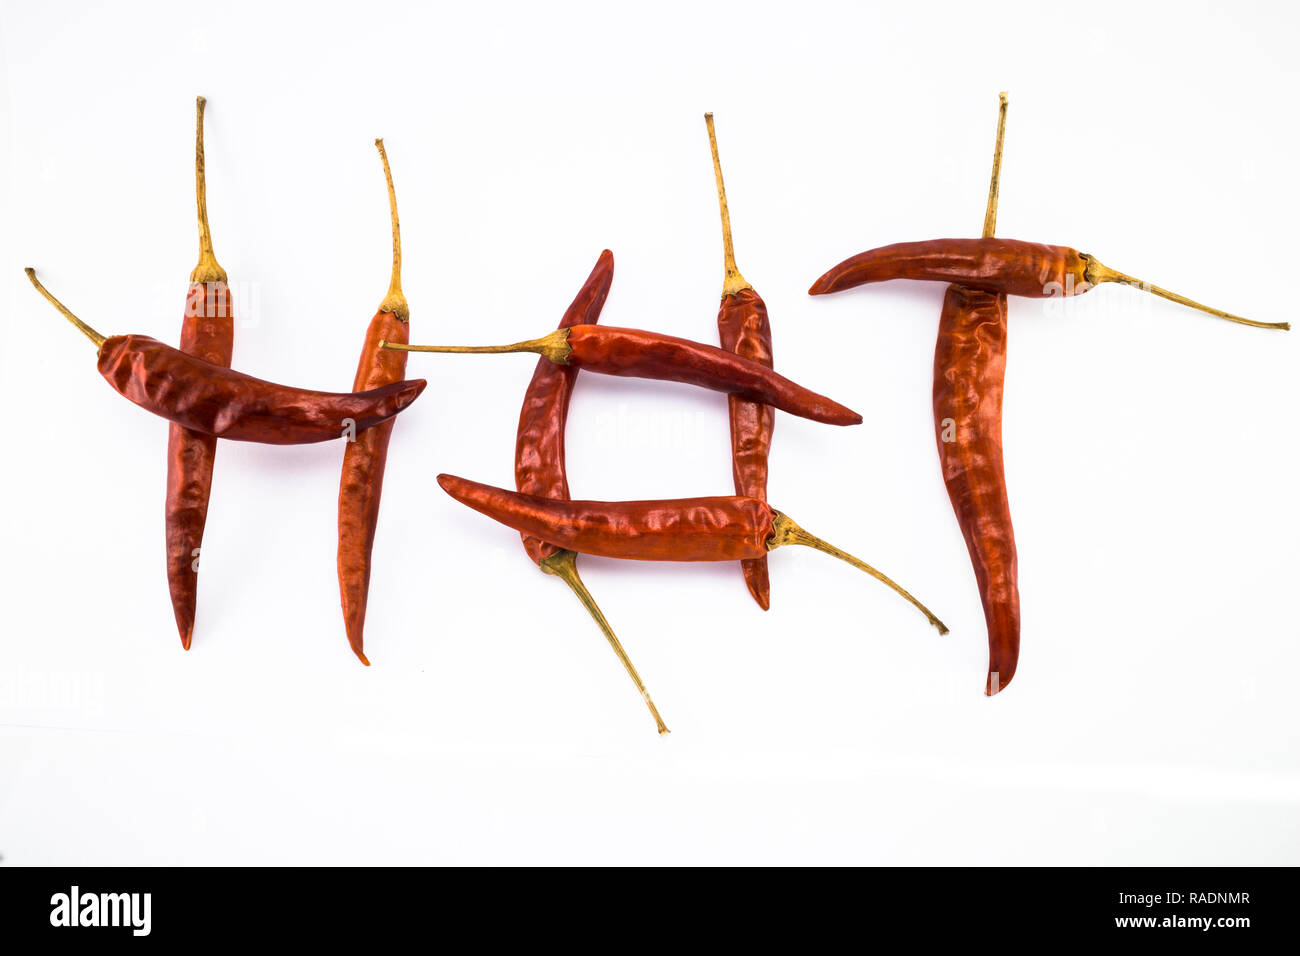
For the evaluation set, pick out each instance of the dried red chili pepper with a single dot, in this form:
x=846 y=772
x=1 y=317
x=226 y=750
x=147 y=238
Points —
x=1008 y=266
x=728 y=528
x=635 y=353
x=540 y=459
x=970 y=361
x=364 y=457
x=743 y=328
x=207 y=331
x=209 y=398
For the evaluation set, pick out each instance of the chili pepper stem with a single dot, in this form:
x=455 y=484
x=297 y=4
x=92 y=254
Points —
x=394 y=302
x=732 y=280
x=995 y=181
x=553 y=347
x=1095 y=273
x=564 y=565
x=86 y=330
x=786 y=531
x=208 y=269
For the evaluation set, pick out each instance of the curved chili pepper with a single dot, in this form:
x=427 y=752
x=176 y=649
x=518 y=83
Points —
x=1008 y=266
x=743 y=328
x=727 y=528
x=634 y=353
x=970 y=362
x=220 y=401
x=207 y=331
x=539 y=443
x=540 y=460
x=364 y=458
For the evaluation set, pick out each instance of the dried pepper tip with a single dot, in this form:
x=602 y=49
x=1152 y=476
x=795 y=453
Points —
x=732 y=280
x=554 y=347
x=564 y=565
x=998 y=679
x=826 y=283
x=1095 y=273
x=208 y=269
x=394 y=302
x=86 y=330
x=786 y=531
x=991 y=208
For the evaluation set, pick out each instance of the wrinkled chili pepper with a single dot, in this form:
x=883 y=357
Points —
x=970 y=361
x=219 y=401
x=1008 y=266
x=635 y=353
x=540 y=459
x=364 y=458
x=743 y=328
x=726 y=528
x=207 y=331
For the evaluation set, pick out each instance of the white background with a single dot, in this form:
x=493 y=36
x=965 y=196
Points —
x=1150 y=451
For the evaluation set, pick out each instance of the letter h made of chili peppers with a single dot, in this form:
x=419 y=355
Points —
x=194 y=388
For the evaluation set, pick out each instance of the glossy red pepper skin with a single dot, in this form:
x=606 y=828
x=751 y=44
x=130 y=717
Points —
x=970 y=361
x=639 y=354
x=1009 y=266
x=682 y=529
x=539 y=441
x=362 y=481
x=743 y=328
x=220 y=401
x=207 y=332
